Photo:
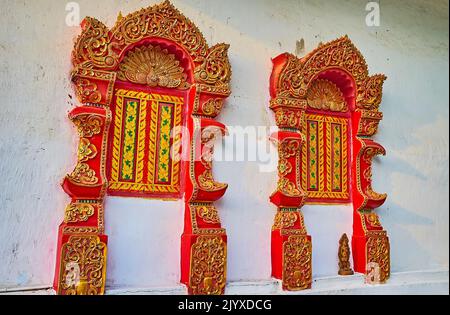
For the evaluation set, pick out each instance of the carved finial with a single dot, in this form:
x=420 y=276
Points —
x=120 y=17
x=344 y=257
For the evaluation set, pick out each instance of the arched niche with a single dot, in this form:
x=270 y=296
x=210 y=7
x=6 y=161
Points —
x=138 y=83
x=326 y=106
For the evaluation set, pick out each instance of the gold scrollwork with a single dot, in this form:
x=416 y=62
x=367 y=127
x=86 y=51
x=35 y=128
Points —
x=285 y=220
x=83 y=266
x=212 y=107
x=208 y=213
x=378 y=252
x=216 y=69
x=79 y=212
x=297 y=263
x=370 y=92
x=289 y=118
x=288 y=149
x=207 y=183
x=101 y=48
x=368 y=127
x=86 y=150
x=83 y=175
x=208 y=266
x=373 y=220
x=87 y=91
x=88 y=125
x=298 y=74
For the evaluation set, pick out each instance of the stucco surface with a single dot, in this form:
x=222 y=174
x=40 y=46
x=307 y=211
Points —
x=37 y=142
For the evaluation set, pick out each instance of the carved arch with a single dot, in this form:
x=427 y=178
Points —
x=154 y=56
x=338 y=64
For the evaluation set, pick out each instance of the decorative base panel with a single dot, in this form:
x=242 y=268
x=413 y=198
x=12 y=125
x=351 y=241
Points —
x=292 y=259
x=81 y=265
x=371 y=256
x=204 y=264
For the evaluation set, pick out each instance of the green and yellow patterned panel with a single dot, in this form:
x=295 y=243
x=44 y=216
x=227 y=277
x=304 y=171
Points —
x=164 y=143
x=337 y=157
x=313 y=159
x=128 y=163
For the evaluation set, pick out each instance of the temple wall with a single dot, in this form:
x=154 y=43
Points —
x=37 y=141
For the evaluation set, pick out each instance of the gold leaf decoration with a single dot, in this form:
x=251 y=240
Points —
x=325 y=95
x=153 y=66
x=297 y=263
x=209 y=214
x=378 y=253
x=83 y=266
x=83 y=175
x=79 y=212
x=209 y=265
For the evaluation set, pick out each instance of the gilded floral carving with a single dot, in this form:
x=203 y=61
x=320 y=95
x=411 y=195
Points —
x=297 y=266
x=86 y=150
x=208 y=270
x=98 y=47
x=88 y=125
x=285 y=220
x=208 y=213
x=207 y=182
x=83 y=175
x=378 y=253
x=79 y=212
x=212 y=107
x=87 y=91
x=83 y=266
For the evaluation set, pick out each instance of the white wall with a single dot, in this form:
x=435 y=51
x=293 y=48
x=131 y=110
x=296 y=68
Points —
x=37 y=142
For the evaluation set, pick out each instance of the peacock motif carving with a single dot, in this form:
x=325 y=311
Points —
x=325 y=95
x=153 y=66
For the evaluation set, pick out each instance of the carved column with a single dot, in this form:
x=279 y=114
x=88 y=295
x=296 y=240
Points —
x=204 y=242
x=371 y=248
x=291 y=244
x=82 y=243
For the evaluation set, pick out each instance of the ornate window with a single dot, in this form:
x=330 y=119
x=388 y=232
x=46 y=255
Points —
x=145 y=158
x=150 y=89
x=328 y=105
x=325 y=155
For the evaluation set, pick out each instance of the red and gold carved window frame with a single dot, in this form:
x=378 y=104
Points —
x=144 y=160
x=325 y=158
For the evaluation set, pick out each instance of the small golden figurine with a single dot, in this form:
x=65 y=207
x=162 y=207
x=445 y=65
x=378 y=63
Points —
x=344 y=257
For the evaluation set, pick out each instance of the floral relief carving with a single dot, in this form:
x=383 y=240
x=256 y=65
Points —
x=79 y=212
x=378 y=252
x=208 y=270
x=88 y=125
x=209 y=214
x=297 y=270
x=83 y=175
x=87 y=91
x=285 y=220
x=83 y=264
x=86 y=150
x=98 y=47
